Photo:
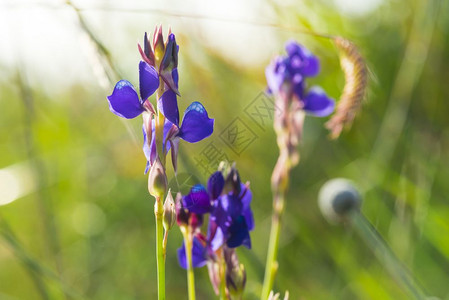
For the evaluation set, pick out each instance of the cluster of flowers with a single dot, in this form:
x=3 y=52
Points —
x=158 y=72
x=286 y=77
x=227 y=200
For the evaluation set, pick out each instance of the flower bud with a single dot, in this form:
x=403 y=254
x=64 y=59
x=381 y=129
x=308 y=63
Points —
x=235 y=274
x=215 y=185
x=232 y=182
x=213 y=267
x=158 y=45
x=182 y=214
x=157 y=180
x=169 y=217
x=337 y=198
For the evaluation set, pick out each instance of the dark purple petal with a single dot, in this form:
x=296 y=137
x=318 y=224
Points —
x=221 y=217
x=215 y=185
x=148 y=80
x=238 y=233
x=317 y=103
x=168 y=105
x=197 y=201
x=124 y=101
x=174 y=144
x=199 y=255
x=196 y=124
x=232 y=205
x=246 y=197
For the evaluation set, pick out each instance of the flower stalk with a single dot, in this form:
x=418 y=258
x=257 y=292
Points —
x=188 y=241
x=286 y=80
x=160 y=253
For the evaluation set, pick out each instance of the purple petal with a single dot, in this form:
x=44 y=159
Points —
x=232 y=205
x=238 y=233
x=196 y=124
x=197 y=201
x=215 y=185
x=311 y=66
x=148 y=80
x=302 y=59
x=199 y=252
x=317 y=103
x=246 y=197
x=168 y=105
x=275 y=74
x=149 y=149
x=221 y=217
x=218 y=240
x=174 y=144
x=124 y=101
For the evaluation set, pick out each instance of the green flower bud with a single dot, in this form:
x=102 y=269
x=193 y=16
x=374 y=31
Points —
x=169 y=217
x=157 y=180
x=235 y=274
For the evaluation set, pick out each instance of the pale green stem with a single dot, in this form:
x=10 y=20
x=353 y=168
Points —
x=222 y=277
x=386 y=256
x=188 y=241
x=158 y=213
x=271 y=266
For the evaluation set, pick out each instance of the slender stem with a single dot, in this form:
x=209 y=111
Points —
x=164 y=243
x=386 y=256
x=271 y=266
x=158 y=212
x=188 y=241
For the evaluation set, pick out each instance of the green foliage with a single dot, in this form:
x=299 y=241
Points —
x=85 y=228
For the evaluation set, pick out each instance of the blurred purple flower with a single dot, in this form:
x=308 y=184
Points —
x=287 y=74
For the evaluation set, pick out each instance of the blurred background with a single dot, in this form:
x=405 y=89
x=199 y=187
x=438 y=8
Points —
x=76 y=220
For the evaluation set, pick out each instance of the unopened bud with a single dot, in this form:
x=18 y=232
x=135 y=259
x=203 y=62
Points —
x=235 y=274
x=213 y=268
x=232 y=182
x=182 y=214
x=337 y=198
x=169 y=218
x=158 y=45
x=157 y=180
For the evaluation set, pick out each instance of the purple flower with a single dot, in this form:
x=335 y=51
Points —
x=287 y=74
x=232 y=219
x=124 y=101
x=196 y=126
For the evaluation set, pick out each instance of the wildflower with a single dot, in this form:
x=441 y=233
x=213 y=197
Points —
x=287 y=74
x=199 y=254
x=124 y=101
x=196 y=126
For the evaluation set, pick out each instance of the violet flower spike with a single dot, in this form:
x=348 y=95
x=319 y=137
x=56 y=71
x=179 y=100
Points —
x=287 y=74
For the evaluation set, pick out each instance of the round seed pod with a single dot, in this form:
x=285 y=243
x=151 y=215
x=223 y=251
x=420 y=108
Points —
x=338 y=198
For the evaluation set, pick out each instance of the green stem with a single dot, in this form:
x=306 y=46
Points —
x=222 y=277
x=158 y=213
x=188 y=241
x=386 y=256
x=271 y=265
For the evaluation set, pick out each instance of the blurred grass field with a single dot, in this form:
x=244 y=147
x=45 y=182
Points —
x=76 y=220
